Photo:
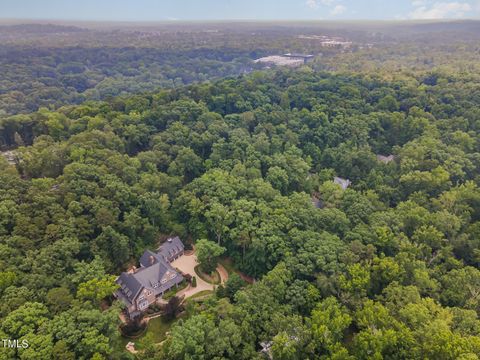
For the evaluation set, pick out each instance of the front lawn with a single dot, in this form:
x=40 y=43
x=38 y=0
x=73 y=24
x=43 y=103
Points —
x=201 y=294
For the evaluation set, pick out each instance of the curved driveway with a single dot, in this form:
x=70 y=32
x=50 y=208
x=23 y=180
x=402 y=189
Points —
x=187 y=263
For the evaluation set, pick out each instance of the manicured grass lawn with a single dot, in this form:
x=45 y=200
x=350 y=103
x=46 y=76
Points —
x=213 y=278
x=122 y=343
x=159 y=328
x=201 y=294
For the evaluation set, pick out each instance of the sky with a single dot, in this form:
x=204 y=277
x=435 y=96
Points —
x=174 y=10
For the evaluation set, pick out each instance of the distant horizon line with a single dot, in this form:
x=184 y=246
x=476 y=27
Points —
x=178 y=21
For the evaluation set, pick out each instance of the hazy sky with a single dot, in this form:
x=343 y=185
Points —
x=151 y=10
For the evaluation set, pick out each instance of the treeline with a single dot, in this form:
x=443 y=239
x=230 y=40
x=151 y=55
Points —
x=54 y=65
x=37 y=77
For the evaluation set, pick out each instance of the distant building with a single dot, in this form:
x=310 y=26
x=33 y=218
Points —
x=302 y=57
x=344 y=183
x=267 y=349
x=329 y=41
x=10 y=156
x=286 y=59
x=266 y=346
x=279 y=61
x=143 y=287
x=316 y=202
x=336 y=43
x=386 y=159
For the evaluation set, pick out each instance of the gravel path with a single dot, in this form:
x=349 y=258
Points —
x=223 y=273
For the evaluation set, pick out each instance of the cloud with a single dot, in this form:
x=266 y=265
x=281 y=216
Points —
x=338 y=10
x=439 y=10
x=418 y=3
x=335 y=7
x=313 y=4
x=328 y=2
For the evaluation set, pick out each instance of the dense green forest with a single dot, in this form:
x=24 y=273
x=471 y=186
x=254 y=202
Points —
x=386 y=269
x=52 y=65
x=45 y=65
x=51 y=76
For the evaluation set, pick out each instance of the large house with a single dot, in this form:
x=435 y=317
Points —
x=155 y=276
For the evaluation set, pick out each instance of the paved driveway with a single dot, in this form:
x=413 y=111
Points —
x=187 y=263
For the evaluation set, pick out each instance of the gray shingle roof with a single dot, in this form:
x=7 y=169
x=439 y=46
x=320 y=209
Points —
x=386 y=159
x=167 y=285
x=129 y=286
x=148 y=258
x=171 y=247
x=344 y=183
x=155 y=268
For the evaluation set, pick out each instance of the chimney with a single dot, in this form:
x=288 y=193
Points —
x=152 y=260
